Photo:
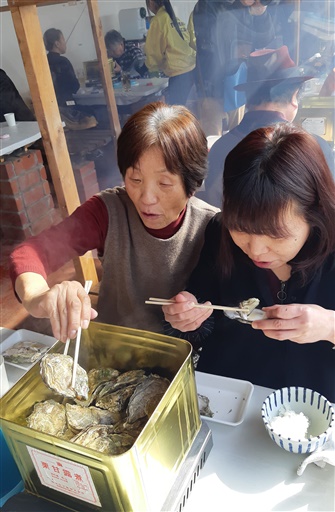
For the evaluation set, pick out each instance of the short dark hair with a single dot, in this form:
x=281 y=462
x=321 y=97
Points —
x=175 y=131
x=270 y=170
x=50 y=37
x=112 y=38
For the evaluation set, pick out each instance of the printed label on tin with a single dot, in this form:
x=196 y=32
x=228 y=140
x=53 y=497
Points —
x=64 y=476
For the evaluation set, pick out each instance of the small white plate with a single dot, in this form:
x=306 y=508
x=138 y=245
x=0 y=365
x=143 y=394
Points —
x=25 y=335
x=228 y=398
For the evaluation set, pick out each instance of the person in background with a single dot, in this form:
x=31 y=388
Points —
x=129 y=58
x=168 y=50
x=272 y=86
x=65 y=82
x=208 y=72
x=11 y=100
x=148 y=234
x=275 y=240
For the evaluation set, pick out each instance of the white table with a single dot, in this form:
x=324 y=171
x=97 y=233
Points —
x=247 y=471
x=144 y=87
x=20 y=135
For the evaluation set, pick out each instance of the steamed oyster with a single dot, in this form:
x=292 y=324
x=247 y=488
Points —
x=79 y=418
x=204 y=407
x=251 y=315
x=56 y=372
x=103 y=439
x=25 y=352
x=146 y=397
x=116 y=402
x=121 y=406
x=48 y=417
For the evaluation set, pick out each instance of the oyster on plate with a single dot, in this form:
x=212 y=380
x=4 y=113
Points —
x=25 y=352
x=56 y=372
x=103 y=439
x=48 y=417
x=204 y=407
x=249 y=316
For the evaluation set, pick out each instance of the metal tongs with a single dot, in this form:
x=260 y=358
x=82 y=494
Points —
x=87 y=288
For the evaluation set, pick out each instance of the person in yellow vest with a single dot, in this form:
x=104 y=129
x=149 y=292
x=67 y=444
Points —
x=168 y=50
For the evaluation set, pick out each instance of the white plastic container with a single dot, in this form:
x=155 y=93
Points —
x=132 y=23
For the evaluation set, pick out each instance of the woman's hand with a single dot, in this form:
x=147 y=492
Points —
x=183 y=315
x=67 y=305
x=301 y=323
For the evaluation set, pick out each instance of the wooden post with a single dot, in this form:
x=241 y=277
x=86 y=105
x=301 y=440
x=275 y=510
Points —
x=29 y=35
x=107 y=84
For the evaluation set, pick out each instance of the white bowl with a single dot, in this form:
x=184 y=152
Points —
x=316 y=407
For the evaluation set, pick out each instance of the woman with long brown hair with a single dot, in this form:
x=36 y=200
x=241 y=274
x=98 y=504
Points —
x=275 y=240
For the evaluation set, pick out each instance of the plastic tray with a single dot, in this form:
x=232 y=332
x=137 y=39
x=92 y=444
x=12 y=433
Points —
x=228 y=398
x=25 y=335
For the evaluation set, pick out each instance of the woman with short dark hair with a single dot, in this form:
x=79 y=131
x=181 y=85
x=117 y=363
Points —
x=148 y=234
x=275 y=240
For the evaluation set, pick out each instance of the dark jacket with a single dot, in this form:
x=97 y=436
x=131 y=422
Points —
x=251 y=121
x=236 y=350
x=63 y=77
x=11 y=101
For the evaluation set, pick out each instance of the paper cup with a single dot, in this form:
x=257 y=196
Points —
x=4 y=385
x=10 y=119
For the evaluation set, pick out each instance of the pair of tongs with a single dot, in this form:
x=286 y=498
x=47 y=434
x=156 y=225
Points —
x=87 y=288
x=163 y=302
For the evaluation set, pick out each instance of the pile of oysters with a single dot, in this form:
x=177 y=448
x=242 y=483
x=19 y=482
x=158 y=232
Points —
x=108 y=411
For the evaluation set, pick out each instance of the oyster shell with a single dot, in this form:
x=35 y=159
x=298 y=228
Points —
x=204 y=407
x=48 y=417
x=102 y=439
x=146 y=397
x=116 y=402
x=25 y=352
x=79 y=418
x=250 y=316
x=56 y=372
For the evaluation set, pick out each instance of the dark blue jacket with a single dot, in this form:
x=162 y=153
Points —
x=251 y=121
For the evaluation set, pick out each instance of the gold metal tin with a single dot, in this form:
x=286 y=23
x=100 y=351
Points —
x=141 y=478
x=316 y=114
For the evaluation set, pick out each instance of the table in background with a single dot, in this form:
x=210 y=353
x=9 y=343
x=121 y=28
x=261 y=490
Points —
x=144 y=88
x=21 y=135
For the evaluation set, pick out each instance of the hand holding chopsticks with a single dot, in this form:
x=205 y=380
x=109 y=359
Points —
x=164 y=302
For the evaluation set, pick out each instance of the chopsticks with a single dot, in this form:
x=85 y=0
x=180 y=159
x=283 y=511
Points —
x=87 y=288
x=163 y=302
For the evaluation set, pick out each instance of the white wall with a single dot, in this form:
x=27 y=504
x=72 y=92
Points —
x=73 y=20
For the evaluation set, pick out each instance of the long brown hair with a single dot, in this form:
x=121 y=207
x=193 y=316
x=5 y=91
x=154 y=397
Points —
x=169 y=9
x=270 y=170
x=175 y=131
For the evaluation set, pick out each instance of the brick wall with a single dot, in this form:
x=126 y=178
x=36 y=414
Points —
x=86 y=179
x=26 y=205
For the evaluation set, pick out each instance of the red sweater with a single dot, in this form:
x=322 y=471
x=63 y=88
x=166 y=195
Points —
x=84 y=230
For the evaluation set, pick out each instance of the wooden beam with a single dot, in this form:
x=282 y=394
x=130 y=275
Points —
x=107 y=84
x=38 y=3
x=30 y=39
